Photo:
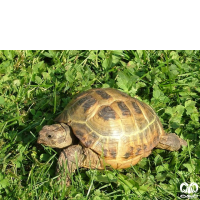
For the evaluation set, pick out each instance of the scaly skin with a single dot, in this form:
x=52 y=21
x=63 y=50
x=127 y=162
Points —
x=171 y=142
x=74 y=157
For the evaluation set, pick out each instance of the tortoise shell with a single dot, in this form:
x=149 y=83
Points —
x=113 y=124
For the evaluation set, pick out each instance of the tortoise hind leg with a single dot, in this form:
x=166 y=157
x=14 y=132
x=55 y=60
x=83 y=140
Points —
x=171 y=142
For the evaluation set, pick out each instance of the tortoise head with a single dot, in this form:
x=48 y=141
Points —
x=56 y=136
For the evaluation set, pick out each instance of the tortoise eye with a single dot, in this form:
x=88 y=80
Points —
x=49 y=136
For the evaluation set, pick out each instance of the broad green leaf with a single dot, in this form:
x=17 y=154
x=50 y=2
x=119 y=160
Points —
x=194 y=83
x=17 y=82
x=180 y=109
x=195 y=117
x=163 y=167
x=169 y=110
x=47 y=54
x=140 y=53
x=46 y=75
x=189 y=166
x=38 y=80
x=173 y=71
x=6 y=67
x=9 y=54
x=123 y=81
x=158 y=160
x=118 y=53
x=101 y=54
x=4 y=183
x=192 y=110
x=174 y=55
x=37 y=67
x=53 y=53
x=190 y=107
x=176 y=118
x=107 y=63
x=186 y=67
x=70 y=74
x=189 y=52
x=161 y=176
x=44 y=157
x=158 y=96
x=2 y=101
x=32 y=111
x=92 y=56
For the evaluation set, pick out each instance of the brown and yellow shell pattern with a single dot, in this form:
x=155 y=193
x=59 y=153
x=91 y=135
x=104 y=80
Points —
x=112 y=123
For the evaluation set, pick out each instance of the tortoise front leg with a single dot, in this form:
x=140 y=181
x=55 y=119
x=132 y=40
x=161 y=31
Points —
x=75 y=157
x=70 y=158
x=171 y=142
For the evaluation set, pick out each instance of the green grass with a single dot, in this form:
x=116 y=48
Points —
x=35 y=86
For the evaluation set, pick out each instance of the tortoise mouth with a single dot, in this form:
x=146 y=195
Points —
x=41 y=141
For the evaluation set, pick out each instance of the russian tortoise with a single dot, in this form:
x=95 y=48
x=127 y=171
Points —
x=113 y=129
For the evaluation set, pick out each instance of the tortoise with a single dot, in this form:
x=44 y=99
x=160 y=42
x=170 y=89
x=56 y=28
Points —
x=105 y=127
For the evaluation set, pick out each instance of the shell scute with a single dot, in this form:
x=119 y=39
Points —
x=85 y=134
x=136 y=107
x=107 y=113
x=123 y=108
x=103 y=94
